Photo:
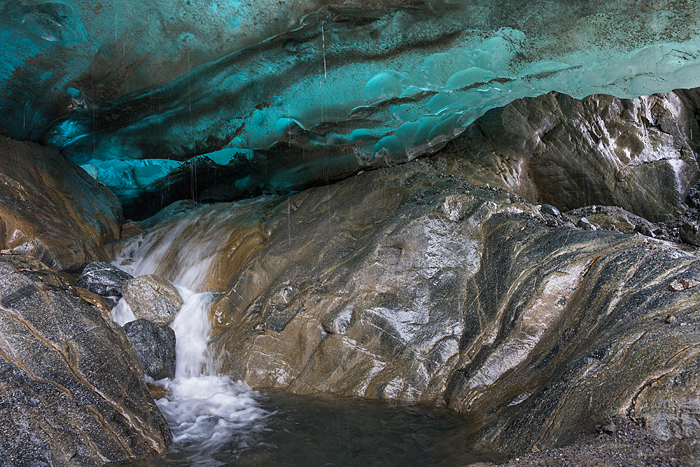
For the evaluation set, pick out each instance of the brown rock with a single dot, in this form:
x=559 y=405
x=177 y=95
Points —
x=368 y=288
x=547 y=150
x=31 y=265
x=52 y=209
x=158 y=392
x=675 y=286
x=131 y=230
x=94 y=300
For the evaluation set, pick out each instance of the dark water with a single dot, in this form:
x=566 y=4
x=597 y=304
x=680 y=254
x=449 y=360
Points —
x=311 y=431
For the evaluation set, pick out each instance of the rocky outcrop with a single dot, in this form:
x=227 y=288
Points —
x=52 y=209
x=638 y=154
x=72 y=390
x=153 y=298
x=104 y=279
x=412 y=283
x=155 y=346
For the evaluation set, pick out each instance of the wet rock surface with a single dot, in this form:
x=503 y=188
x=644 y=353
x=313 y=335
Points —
x=71 y=386
x=413 y=283
x=152 y=298
x=104 y=279
x=638 y=154
x=471 y=279
x=52 y=209
x=155 y=346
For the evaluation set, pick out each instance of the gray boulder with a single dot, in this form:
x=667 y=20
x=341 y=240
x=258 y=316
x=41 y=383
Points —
x=585 y=224
x=155 y=346
x=103 y=279
x=551 y=210
x=72 y=390
x=153 y=298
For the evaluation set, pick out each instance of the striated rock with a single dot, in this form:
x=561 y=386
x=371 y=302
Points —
x=153 y=298
x=52 y=209
x=155 y=346
x=95 y=300
x=34 y=267
x=104 y=279
x=72 y=390
x=382 y=286
x=638 y=154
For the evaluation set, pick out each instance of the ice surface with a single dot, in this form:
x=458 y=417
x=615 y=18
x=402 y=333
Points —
x=298 y=100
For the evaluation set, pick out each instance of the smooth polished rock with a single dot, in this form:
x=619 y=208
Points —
x=638 y=154
x=104 y=279
x=72 y=389
x=52 y=209
x=373 y=287
x=153 y=298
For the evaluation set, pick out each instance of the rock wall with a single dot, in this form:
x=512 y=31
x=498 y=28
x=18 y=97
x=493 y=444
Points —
x=411 y=283
x=639 y=154
x=72 y=390
x=52 y=209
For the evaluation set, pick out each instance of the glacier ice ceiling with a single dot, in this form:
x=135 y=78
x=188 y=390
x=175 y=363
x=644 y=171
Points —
x=221 y=99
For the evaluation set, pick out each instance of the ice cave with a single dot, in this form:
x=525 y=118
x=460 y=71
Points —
x=324 y=232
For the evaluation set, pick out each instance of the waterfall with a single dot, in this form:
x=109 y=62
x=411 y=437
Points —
x=202 y=407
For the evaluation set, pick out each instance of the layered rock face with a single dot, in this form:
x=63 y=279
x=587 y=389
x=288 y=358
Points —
x=53 y=210
x=639 y=154
x=71 y=385
x=413 y=283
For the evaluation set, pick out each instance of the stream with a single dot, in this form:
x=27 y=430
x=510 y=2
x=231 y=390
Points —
x=217 y=421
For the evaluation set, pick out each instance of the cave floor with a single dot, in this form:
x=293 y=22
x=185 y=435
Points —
x=617 y=443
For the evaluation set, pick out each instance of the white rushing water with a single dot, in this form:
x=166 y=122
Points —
x=202 y=408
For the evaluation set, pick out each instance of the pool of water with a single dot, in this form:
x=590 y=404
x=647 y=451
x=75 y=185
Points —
x=290 y=430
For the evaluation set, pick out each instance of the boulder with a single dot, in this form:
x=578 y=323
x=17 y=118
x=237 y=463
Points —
x=52 y=209
x=131 y=230
x=153 y=298
x=551 y=210
x=155 y=346
x=104 y=279
x=72 y=390
x=585 y=224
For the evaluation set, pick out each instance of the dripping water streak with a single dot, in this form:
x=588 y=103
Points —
x=323 y=39
x=289 y=221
